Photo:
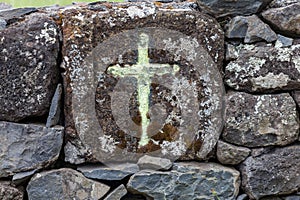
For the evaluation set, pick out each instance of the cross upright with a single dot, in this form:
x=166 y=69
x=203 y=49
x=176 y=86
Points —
x=143 y=71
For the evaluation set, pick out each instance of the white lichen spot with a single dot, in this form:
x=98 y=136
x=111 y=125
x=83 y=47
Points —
x=48 y=34
x=270 y=81
x=80 y=17
x=108 y=144
x=175 y=148
x=296 y=61
x=140 y=12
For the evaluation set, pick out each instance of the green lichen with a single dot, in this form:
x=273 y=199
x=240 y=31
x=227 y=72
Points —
x=143 y=71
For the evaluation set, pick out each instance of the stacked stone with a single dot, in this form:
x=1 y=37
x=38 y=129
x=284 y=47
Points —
x=254 y=154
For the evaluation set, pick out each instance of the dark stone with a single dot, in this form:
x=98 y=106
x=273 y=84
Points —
x=264 y=69
x=112 y=131
x=251 y=28
x=55 y=108
x=260 y=120
x=284 y=19
x=117 y=193
x=22 y=177
x=155 y=163
x=29 y=72
x=274 y=173
x=8 y=192
x=222 y=8
x=187 y=181
x=283 y=41
x=229 y=154
x=296 y=95
x=110 y=173
x=28 y=147
x=11 y=16
x=64 y=184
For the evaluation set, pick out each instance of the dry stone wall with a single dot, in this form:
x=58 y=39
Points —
x=151 y=100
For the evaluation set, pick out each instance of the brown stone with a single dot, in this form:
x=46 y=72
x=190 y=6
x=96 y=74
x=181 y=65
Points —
x=229 y=154
x=103 y=109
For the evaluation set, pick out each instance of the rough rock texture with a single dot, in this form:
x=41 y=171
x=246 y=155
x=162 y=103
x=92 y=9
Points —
x=113 y=131
x=14 y=15
x=27 y=146
x=264 y=69
x=283 y=41
x=281 y=3
x=260 y=120
x=274 y=173
x=221 y=8
x=8 y=192
x=284 y=19
x=117 y=193
x=229 y=154
x=64 y=184
x=29 y=71
x=251 y=28
x=296 y=95
x=113 y=172
x=155 y=163
x=55 y=108
x=187 y=181
x=2 y=24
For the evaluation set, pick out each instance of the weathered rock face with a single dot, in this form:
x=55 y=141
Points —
x=296 y=95
x=28 y=147
x=261 y=120
x=223 y=8
x=187 y=181
x=64 y=184
x=285 y=19
x=29 y=72
x=281 y=3
x=117 y=193
x=274 y=173
x=229 y=154
x=155 y=163
x=264 y=69
x=113 y=172
x=251 y=28
x=99 y=45
x=55 y=108
x=8 y=192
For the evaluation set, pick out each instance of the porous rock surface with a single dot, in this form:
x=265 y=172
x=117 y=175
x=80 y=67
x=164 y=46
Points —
x=8 y=192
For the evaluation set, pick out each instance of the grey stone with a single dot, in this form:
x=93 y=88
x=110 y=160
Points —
x=296 y=96
x=2 y=24
x=4 y=6
x=242 y=197
x=97 y=114
x=155 y=163
x=274 y=173
x=117 y=193
x=8 y=192
x=251 y=28
x=55 y=108
x=291 y=197
x=282 y=3
x=64 y=184
x=28 y=147
x=264 y=69
x=222 y=8
x=22 y=177
x=74 y=154
x=29 y=72
x=284 y=19
x=255 y=152
x=229 y=154
x=187 y=181
x=230 y=52
x=13 y=15
x=112 y=172
x=283 y=41
x=260 y=120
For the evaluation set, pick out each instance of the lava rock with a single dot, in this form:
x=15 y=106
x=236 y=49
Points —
x=187 y=181
x=155 y=163
x=284 y=19
x=222 y=8
x=229 y=154
x=260 y=120
x=264 y=69
x=117 y=193
x=28 y=147
x=113 y=172
x=96 y=110
x=274 y=173
x=29 y=72
x=64 y=184
x=8 y=192
x=251 y=28
x=55 y=108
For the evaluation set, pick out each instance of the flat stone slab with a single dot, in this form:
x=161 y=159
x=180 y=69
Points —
x=279 y=168
x=28 y=147
x=109 y=173
x=64 y=184
x=117 y=193
x=155 y=163
x=254 y=69
x=138 y=77
x=29 y=72
x=187 y=181
x=260 y=120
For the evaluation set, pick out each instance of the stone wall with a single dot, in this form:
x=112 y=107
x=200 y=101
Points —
x=226 y=108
